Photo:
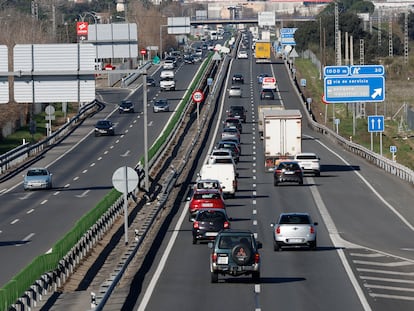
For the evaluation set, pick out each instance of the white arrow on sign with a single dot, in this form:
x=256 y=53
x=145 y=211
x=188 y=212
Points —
x=377 y=92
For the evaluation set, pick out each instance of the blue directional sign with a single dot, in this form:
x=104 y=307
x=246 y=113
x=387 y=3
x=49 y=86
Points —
x=393 y=149
x=287 y=36
x=330 y=71
x=287 y=30
x=375 y=123
x=349 y=89
x=367 y=70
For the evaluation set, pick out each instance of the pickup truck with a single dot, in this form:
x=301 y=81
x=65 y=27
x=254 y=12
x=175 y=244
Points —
x=309 y=162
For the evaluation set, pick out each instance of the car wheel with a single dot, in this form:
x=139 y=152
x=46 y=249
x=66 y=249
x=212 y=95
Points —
x=276 y=247
x=194 y=240
x=241 y=254
x=301 y=182
x=317 y=174
x=256 y=277
x=275 y=183
x=214 y=277
x=313 y=245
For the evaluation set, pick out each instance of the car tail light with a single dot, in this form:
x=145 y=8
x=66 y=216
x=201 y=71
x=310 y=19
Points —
x=312 y=230
x=278 y=171
x=235 y=184
x=298 y=171
x=226 y=225
x=256 y=258
x=214 y=257
x=196 y=225
x=277 y=230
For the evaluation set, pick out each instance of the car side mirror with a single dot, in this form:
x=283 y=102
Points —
x=210 y=244
x=259 y=245
x=315 y=223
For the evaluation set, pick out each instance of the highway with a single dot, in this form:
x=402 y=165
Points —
x=365 y=255
x=364 y=259
x=82 y=166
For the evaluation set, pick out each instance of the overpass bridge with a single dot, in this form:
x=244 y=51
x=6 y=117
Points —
x=251 y=20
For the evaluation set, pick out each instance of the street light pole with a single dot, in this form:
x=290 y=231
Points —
x=96 y=30
x=161 y=52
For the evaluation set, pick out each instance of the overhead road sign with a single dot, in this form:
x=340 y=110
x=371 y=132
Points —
x=354 y=89
x=179 y=25
x=266 y=19
x=329 y=71
x=59 y=73
x=287 y=36
x=375 y=123
x=367 y=70
x=4 y=80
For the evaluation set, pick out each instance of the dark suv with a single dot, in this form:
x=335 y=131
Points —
x=235 y=252
x=126 y=106
x=238 y=112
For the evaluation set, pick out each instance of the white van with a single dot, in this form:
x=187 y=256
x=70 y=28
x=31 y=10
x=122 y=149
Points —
x=225 y=173
x=167 y=74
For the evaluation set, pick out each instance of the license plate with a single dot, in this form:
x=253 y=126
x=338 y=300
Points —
x=207 y=204
x=295 y=240
x=222 y=260
x=289 y=173
x=211 y=233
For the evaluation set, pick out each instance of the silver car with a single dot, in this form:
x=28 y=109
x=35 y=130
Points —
x=37 y=178
x=235 y=91
x=161 y=105
x=294 y=229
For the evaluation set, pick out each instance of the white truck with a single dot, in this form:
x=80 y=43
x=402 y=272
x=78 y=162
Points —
x=260 y=111
x=282 y=136
x=225 y=173
x=167 y=82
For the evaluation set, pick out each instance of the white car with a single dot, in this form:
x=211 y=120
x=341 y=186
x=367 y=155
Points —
x=242 y=55
x=37 y=178
x=309 y=162
x=235 y=91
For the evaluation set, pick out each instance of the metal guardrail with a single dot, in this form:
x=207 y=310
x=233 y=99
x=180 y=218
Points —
x=52 y=280
x=15 y=157
x=382 y=162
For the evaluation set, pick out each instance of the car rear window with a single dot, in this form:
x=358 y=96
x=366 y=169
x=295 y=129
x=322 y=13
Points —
x=227 y=242
x=294 y=219
x=200 y=196
x=210 y=216
x=306 y=157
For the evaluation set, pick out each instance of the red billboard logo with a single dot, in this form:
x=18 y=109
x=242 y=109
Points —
x=82 y=28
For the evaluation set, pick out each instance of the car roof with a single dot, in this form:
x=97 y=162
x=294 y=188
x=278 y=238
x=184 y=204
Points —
x=235 y=231
x=210 y=190
x=306 y=153
x=294 y=213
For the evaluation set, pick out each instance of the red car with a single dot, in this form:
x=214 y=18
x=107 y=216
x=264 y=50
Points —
x=206 y=198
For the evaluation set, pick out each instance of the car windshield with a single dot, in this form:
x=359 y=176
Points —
x=294 y=220
x=208 y=185
x=103 y=123
x=126 y=104
x=37 y=172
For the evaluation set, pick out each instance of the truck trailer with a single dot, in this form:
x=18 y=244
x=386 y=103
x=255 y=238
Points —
x=262 y=51
x=282 y=136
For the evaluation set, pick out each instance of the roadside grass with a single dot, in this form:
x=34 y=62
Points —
x=399 y=90
x=23 y=134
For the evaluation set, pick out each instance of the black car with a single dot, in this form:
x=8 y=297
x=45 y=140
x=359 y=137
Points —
x=237 y=78
x=208 y=222
x=233 y=122
x=126 y=106
x=151 y=81
x=235 y=252
x=104 y=127
x=189 y=59
x=238 y=112
x=267 y=94
x=288 y=171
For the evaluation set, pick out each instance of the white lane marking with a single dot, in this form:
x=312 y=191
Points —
x=338 y=242
x=392 y=296
x=25 y=196
x=254 y=202
x=377 y=271
x=43 y=202
x=150 y=288
x=257 y=288
x=3 y=190
x=49 y=251
x=67 y=186
x=76 y=178
x=254 y=193
x=100 y=158
x=116 y=141
x=406 y=222
x=106 y=152
x=84 y=171
x=384 y=264
x=92 y=164
x=371 y=278
x=30 y=211
x=14 y=221
x=83 y=194
x=112 y=147
x=28 y=237
x=56 y=193
x=254 y=222
x=367 y=255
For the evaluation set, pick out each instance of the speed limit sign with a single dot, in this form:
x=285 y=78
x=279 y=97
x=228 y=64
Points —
x=198 y=96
